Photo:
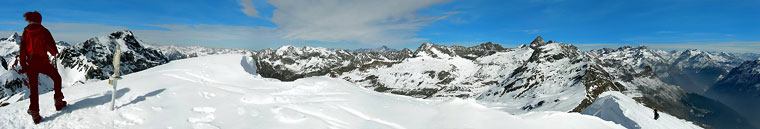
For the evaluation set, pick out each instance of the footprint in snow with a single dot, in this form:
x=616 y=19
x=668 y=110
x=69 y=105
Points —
x=157 y=108
x=287 y=115
x=206 y=110
x=207 y=95
x=243 y=111
x=204 y=126
x=132 y=118
x=257 y=98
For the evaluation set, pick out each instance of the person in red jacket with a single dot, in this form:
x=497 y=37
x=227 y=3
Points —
x=36 y=43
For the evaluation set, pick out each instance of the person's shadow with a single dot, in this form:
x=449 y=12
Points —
x=142 y=98
x=88 y=102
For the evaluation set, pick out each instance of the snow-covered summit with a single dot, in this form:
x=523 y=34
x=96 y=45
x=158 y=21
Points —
x=92 y=55
x=225 y=96
x=9 y=46
x=15 y=37
x=551 y=79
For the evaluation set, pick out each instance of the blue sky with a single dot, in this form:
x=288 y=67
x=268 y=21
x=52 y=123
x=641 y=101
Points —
x=715 y=25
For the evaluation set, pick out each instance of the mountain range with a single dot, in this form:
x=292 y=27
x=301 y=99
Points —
x=539 y=76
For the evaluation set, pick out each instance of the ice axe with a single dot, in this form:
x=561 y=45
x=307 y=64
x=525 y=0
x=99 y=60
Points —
x=115 y=76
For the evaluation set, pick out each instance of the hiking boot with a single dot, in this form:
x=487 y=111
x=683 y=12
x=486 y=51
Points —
x=59 y=105
x=35 y=116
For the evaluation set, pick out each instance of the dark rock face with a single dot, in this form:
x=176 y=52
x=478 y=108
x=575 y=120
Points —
x=537 y=42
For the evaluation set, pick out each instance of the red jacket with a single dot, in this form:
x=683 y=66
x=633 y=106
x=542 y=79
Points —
x=36 y=42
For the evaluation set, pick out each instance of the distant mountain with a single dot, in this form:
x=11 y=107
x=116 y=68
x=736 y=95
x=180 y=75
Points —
x=11 y=85
x=740 y=89
x=431 y=71
x=637 y=69
x=373 y=69
x=182 y=52
x=541 y=76
x=381 y=49
x=9 y=49
x=693 y=70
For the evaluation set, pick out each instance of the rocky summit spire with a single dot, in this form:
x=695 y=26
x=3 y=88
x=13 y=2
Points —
x=538 y=42
x=15 y=37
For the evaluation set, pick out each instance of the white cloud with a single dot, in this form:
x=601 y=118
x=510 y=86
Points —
x=249 y=9
x=363 y=21
x=212 y=35
x=339 y=22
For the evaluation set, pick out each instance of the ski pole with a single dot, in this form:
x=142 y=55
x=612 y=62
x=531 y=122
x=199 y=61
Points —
x=115 y=76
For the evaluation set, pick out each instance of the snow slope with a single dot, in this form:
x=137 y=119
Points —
x=619 y=108
x=217 y=92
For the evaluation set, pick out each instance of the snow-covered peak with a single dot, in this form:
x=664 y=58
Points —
x=15 y=37
x=633 y=56
x=435 y=51
x=621 y=109
x=62 y=44
x=123 y=33
x=295 y=51
x=745 y=74
x=9 y=45
x=550 y=80
x=286 y=47
x=426 y=45
x=95 y=55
